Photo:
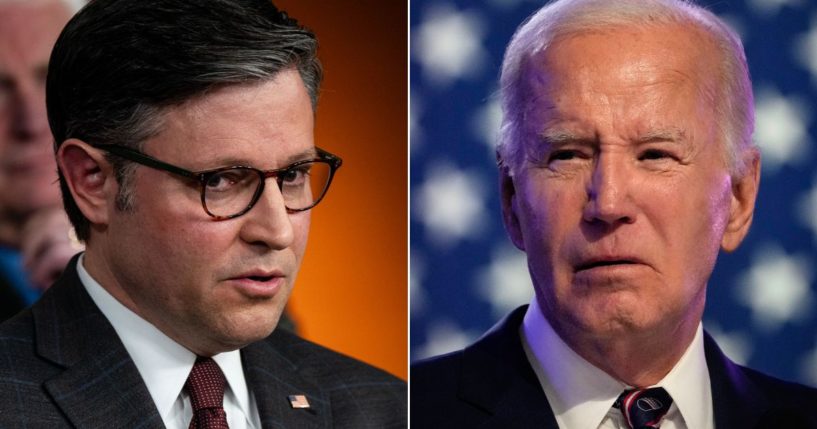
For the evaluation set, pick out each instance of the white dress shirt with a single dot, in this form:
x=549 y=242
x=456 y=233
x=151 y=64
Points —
x=165 y=364
x=582 y=396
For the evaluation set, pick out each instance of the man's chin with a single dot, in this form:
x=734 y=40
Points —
x=609 y=321
x=248 y=329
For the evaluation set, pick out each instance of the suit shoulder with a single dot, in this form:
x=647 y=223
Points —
x=361 y=395
x=326 y=365
x=785 y=403
x=782 y=391
x=434 y=387
x=22 y=373
x=435 y=370
x=16 y=340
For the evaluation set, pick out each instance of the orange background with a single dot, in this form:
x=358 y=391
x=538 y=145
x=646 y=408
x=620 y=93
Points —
x=351 y=293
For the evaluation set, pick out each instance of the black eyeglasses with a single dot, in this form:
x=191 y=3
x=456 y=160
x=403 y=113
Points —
x=229 y=192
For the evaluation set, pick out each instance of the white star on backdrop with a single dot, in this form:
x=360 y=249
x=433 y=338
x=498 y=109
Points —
x=780 y=129
x=771 y=7
x=443 y=337
x=776 y=288
x=451 y=205
x=485 y=124
x=805 y=50
x=505 y=282
x=448 y=44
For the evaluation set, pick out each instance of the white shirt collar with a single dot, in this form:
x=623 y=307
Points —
x=163 y=363
x=581 y=394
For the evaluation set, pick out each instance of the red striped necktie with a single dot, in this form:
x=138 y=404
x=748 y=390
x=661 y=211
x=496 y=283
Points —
x=644 y=408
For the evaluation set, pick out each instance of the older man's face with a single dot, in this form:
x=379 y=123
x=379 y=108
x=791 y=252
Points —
x=623 y=197
x=27 y=169
x=212 y=285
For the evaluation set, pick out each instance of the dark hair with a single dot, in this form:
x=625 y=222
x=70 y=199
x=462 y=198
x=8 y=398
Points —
x=119 y=64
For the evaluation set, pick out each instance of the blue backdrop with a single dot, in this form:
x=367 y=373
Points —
x=465 y=274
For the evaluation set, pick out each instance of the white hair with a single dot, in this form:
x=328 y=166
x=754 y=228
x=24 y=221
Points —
x=734 y=105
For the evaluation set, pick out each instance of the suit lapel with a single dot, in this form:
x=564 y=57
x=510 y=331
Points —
x=272 y=377
x=497 y=377
x=736 y=400
x=100 y=385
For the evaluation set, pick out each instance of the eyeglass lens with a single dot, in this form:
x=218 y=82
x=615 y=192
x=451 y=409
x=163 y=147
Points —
x=229 y=192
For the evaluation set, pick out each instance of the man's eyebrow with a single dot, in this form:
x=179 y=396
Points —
x=561 y=138
x=665 y=135
x=310 y=153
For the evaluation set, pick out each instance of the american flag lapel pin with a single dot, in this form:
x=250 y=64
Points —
x=298 y=401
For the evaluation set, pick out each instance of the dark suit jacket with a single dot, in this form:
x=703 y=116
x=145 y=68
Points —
x=62 y=365
x=10 y=301
x=491 y=384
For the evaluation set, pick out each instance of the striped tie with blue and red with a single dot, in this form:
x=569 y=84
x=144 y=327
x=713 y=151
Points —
x=644 y=408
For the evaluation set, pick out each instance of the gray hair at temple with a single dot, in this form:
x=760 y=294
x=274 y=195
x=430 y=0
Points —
x=120 y=64
x=733 y=99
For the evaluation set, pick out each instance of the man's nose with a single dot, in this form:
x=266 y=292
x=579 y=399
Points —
x=609 y=193
x=26 y=104
x=268 y=223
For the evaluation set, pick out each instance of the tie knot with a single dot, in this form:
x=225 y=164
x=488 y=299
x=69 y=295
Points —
x=644 y=408
x=205 y=384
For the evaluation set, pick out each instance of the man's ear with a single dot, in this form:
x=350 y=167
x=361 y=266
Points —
x=89 y=178
x=744 y=195
x=507 y=190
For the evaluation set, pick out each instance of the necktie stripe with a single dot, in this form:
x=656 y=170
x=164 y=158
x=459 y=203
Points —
x=644 y=408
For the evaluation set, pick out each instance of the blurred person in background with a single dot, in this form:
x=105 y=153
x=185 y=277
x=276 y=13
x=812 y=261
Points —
x=35 y=235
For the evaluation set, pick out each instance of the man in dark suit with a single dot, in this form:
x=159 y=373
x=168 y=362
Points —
x=626 y=163
x=184 y=136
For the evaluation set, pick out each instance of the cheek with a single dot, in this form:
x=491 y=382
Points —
x=690 y=218
x=300 y=225
x=550 y=219
x=549 y=211
x=704 y=211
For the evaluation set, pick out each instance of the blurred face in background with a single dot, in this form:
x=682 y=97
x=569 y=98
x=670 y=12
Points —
x=28 y=30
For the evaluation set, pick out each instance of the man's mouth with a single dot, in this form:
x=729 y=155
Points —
x=605 y=262
x=260 y=278
x=259 y=284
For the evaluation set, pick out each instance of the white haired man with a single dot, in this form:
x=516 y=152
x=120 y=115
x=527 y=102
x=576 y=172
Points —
x=626 y=165
x=35 y=244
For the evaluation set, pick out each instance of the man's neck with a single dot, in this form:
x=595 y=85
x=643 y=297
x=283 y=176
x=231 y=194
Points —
x=636 y=358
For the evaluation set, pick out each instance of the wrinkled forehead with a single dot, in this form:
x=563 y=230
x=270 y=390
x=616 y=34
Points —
x=667 y=53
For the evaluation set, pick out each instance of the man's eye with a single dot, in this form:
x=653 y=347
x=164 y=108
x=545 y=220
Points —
x=228 y=180
x=296 y=175
x=563 y=155
x=654 y=154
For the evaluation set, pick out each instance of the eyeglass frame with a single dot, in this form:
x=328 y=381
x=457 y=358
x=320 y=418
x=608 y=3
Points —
x=201 y=177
